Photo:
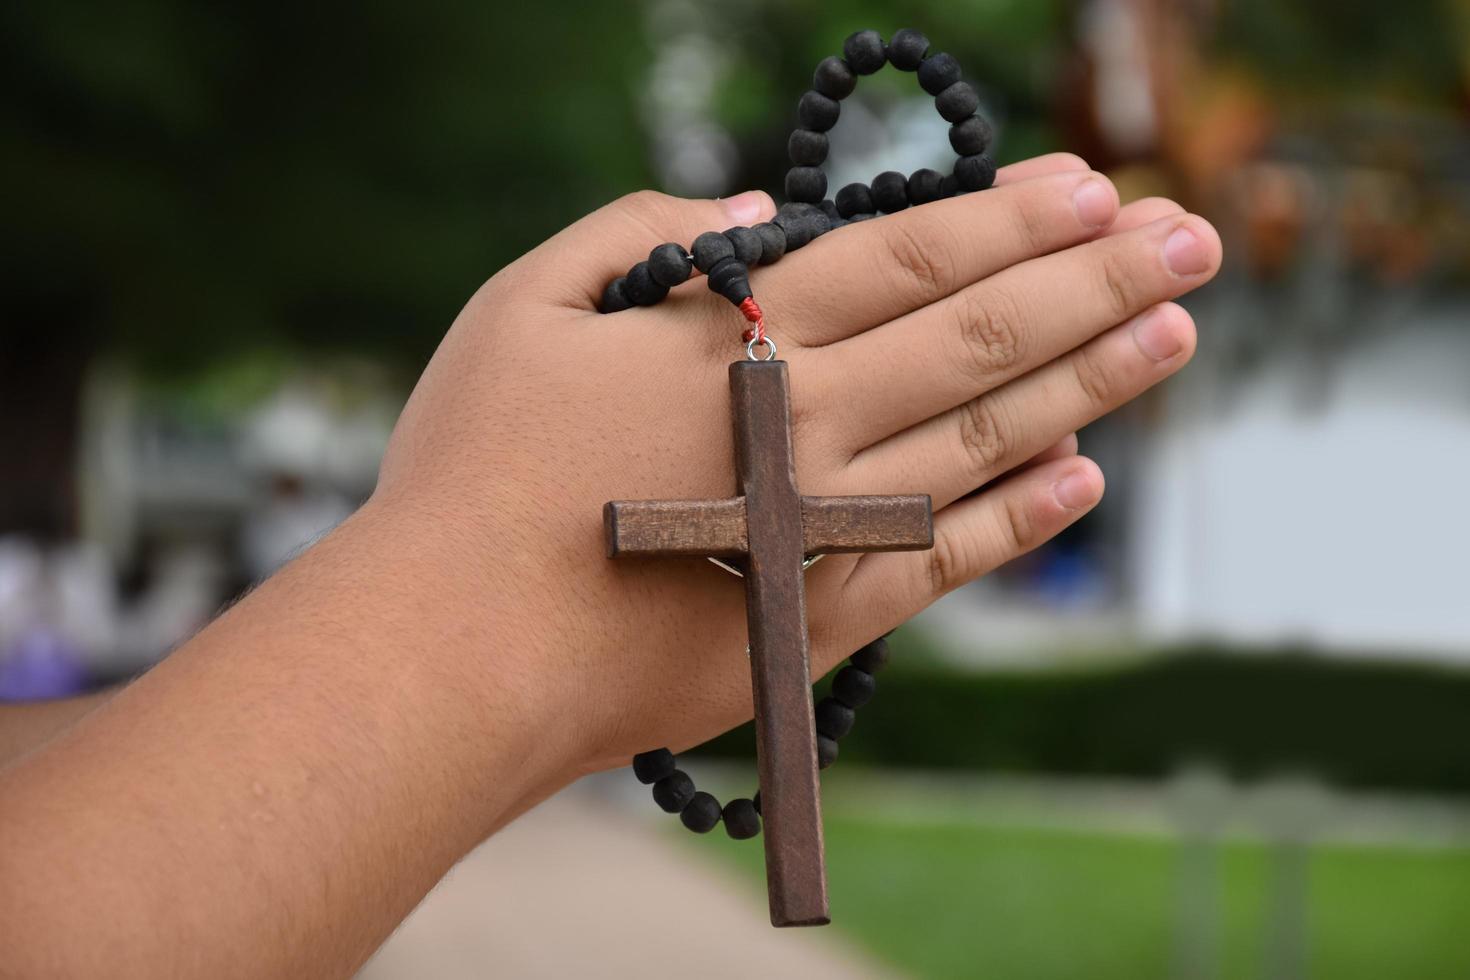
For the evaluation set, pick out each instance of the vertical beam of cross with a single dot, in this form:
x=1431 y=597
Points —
x=775 y=615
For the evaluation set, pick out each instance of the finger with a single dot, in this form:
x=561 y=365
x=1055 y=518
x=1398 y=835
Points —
x=971 y=538
x=951 y=454
x=575 y=265
x=1144 y=211
x=1051 y=163
x=1013 y=322
x=871 y=272
x=1061 y=449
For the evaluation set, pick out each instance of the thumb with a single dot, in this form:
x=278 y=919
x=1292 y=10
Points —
x=604 y=245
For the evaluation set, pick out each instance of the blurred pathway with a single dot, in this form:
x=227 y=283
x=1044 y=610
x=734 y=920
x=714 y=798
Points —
x=581 y=887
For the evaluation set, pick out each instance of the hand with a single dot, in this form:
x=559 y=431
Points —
x=934 y=351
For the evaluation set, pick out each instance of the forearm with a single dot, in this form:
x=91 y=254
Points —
x=24 y=727
x=305 y=769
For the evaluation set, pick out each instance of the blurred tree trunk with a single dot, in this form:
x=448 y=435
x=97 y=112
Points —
x=41 y=372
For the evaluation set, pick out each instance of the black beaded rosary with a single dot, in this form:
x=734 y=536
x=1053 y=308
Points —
x=769 y=533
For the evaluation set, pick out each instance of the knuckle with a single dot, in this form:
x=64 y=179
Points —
x=651 y=211
x=1118 y=284
x=923 y=261
x=1030 y=224
x=990 y=327
x=644 y=201
x=1093 y=377
x=1017 y=525
x=947 y=564
x=982 y=436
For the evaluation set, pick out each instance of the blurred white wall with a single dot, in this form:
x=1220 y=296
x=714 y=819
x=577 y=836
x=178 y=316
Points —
x=1337 y=517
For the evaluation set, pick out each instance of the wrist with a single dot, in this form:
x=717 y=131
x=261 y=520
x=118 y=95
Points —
x=452 y=634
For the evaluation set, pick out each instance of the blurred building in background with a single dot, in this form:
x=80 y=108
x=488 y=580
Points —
x=1269 y=500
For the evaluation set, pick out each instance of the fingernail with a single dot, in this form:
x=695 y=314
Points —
x=1075 y=490
x=1156 y=337
x=744 y=209
x=1094 y=203
x=1185 y=253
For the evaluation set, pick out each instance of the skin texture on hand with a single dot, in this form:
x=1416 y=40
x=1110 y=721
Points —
x=279 y=793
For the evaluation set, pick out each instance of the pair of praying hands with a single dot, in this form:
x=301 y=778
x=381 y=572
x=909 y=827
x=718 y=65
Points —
x=279 y=793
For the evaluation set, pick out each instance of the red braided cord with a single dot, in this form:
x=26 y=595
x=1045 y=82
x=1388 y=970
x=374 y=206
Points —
x=752 y=311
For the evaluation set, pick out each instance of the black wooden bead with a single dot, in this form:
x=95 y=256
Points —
x=839 y=223
x=971 y=136
x=871 y=658
x=949 y=186
x=907 y=49
x=974 y=173
x=731 y=279
x=773 y=242
x=826 y=751
x=853 y=687
x=807 y=148
x=669 y=264
x=865 y=51
x=674 y=791
x=614 y=298
x=861 y=216
x=938 y=72
x=834 y=719
x=747 y=244
x=834 y=78
x=801 y=222
x=830 y=210
x=923 y=186
x=807 y=184
x=854 y=199
x=755 y=801
x=701 y=813
x=742 y=820
x=650 y=767
x=890 y=191
x=710 y=248
x=641 y=287
x=818 y=112
x=957 y=102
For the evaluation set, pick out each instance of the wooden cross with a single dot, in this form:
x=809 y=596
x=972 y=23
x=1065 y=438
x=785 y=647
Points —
x=772 y=530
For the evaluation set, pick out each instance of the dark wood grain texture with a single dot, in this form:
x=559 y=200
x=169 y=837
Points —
x=831 y=525
x=785 y=732
x=675 y=527
x=773 y=528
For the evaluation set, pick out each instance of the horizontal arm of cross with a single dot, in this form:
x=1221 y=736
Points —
x=696 y=528
x=832 y=525
x=717 y=528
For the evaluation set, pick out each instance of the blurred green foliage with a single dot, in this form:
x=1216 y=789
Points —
x=1379 y=725
x=949 y=899
x=183 y=178
x=1345 y=49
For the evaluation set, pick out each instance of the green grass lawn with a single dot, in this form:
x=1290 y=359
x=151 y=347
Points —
x=966 y=900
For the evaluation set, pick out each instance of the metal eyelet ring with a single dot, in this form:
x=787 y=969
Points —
x=770 y=346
